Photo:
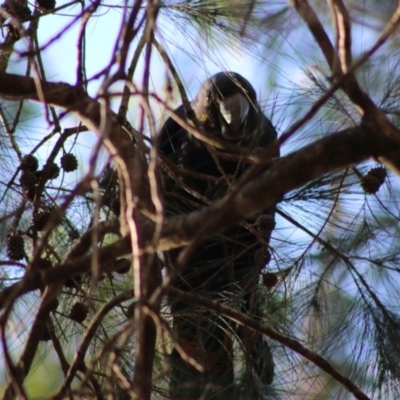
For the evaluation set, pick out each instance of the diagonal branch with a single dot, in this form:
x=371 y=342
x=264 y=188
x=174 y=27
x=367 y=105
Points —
x=343 y=34
x=315 y=26
x=286 y=341
x=87 y=338
x=347 y=78
x=334 y=151
x=330 y=153
x=372 y=115
x=31 y=345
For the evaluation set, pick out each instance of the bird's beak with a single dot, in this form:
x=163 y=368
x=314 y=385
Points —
x=234 y=110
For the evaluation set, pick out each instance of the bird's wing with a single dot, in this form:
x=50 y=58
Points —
x=172 y=137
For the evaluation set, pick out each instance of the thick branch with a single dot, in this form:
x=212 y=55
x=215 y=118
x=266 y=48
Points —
x=335 y=151
x=332 y=152
x=325 y=155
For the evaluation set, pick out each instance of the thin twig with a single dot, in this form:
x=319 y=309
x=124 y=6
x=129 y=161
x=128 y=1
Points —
x=86 y=340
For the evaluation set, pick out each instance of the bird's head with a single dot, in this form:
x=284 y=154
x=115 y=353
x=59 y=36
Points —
x=223 y=105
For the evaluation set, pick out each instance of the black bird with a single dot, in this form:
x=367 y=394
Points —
x=226 y=267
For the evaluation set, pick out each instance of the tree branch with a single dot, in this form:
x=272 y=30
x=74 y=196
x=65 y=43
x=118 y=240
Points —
x=335 y=151
x=343 y=34
x=95 y=115
x=248 y=322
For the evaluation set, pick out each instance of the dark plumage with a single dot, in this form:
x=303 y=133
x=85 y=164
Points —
x=224 y=93
x=224 y=267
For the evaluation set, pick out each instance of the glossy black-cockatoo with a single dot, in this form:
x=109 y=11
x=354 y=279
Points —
x=224 y=268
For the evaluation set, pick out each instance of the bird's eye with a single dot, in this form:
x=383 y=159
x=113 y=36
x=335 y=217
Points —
x=209 y=96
